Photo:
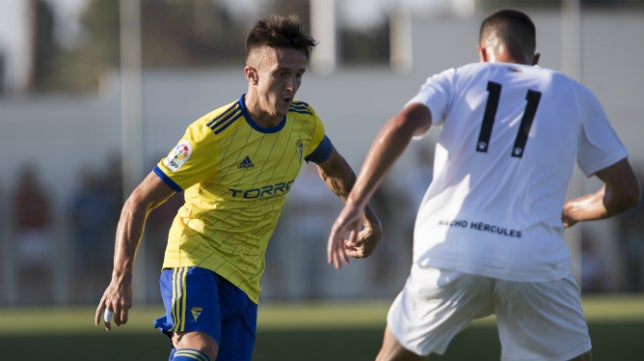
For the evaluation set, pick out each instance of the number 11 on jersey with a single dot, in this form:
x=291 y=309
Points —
x=532 y=102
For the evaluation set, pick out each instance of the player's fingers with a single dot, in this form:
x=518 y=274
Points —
x=333 y=244
x=351 y=239
x=342 y=258
x=349 y=244
x=339 y=255
x=121 y=318
x=344 y=230
x=330 y=245
x=107 y=319
x=364 y=245
x=354 y=253
x=336 y=254
x=121 y=311
x=356 y=250
x=99 y=312
x=104 y=314
x=352 y=242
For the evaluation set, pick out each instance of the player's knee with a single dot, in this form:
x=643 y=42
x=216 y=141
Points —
x=187 y=342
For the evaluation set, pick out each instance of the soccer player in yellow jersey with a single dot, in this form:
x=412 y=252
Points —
x=235 y=166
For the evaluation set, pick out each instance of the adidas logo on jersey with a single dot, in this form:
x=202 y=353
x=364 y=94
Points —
x=246 y=163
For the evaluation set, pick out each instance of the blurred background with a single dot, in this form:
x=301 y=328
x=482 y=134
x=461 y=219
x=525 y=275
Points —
x=94 y=92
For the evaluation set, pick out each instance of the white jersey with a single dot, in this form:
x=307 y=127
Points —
x=510 y=135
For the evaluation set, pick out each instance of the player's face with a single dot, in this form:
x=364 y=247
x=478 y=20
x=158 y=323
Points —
x=279 y=75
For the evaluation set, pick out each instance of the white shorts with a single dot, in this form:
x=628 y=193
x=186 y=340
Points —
x=536 y=320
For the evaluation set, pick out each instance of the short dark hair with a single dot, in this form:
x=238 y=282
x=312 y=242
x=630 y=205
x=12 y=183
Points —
x=280 y=32
x=513 y=27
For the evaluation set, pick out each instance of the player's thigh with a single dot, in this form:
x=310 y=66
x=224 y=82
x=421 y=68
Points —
x=192 y=303
x=541 y=320
x=239 y=323
x=435 y=305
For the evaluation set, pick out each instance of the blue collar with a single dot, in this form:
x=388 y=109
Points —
x=256 y=126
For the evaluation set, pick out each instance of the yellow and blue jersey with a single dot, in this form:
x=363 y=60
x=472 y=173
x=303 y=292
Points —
x=235 y=176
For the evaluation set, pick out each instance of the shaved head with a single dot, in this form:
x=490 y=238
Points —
x=255 y=56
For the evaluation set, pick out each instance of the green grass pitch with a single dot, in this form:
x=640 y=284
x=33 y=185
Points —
x=349 y=331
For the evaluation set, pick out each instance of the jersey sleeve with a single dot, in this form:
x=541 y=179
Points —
x=598 y=143
x=435 y=94
x=190 y=161
x=320 y=147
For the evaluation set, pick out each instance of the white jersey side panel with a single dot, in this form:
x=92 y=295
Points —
x=510 y=136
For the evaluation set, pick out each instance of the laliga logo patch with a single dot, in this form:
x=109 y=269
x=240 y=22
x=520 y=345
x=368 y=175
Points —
x=178 y=156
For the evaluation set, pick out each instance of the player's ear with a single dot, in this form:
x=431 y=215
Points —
x=251 y=75
x=535 y=58
x=483 y=56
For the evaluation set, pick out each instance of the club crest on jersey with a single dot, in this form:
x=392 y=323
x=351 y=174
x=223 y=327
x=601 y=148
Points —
x=178 y=156
x=196 y=312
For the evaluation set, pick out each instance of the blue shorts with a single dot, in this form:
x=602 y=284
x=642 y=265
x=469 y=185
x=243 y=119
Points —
x=197 y=299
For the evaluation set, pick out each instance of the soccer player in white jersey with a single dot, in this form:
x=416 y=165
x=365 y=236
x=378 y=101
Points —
x=488 y=234
x=235 y=165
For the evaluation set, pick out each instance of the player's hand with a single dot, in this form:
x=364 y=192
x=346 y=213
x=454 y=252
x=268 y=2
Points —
x=367 y=241
x=566 y=215
x=567 y=221
x=348 y=224
x=114 y=305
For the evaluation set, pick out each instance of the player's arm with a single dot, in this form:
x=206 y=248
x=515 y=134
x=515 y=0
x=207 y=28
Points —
x=340 y=178
x=388 y=146
x=621 y=191
x=117 y=298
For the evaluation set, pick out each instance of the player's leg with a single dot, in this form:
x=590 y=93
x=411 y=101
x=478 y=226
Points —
x=432 y=308
x=239 y=323
x=190 y=346
x=392 y=350
x=238 y=319
x=541 y=319
x=193 y=317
